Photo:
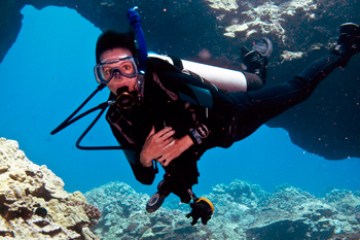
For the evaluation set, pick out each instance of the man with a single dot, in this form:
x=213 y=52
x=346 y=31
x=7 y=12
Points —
x=171 y=117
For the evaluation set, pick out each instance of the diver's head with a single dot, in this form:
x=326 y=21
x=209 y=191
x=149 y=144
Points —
x=116 y=66
x=110 y=40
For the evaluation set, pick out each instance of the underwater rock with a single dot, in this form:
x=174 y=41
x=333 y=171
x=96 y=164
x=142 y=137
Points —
x=242 y=211
x=34 y=204
x=124 y=215
x=292 y=214
x=326 y=124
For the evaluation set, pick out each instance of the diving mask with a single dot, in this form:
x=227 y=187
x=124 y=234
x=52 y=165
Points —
x=105 y=71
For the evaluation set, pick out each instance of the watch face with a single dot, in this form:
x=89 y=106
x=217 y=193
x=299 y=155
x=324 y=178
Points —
x=202 y=130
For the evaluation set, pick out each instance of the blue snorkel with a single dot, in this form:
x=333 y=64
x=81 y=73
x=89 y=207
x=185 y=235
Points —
x=134 y=20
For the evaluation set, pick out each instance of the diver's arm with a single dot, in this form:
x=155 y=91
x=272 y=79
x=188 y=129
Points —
x=224 y=79
x=145 y=175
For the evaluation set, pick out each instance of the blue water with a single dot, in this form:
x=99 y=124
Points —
x=48 y=72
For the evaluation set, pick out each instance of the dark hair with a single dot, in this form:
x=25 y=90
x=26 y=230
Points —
x=110 y=40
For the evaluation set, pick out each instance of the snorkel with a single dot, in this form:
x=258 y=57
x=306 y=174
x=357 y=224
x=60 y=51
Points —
x=134 y=20
x=124 y=98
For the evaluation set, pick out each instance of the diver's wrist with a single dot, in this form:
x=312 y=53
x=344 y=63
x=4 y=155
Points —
x=145 y=162
x=187 y=141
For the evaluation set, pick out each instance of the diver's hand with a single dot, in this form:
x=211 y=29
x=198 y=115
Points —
x=202 y=209
x=174 y=149
x=155 y=144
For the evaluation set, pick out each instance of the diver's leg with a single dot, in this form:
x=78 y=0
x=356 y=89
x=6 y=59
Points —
x=178 y=179
x=299 y=88
x=253 y=81
x=256 y=107
x=348 y=43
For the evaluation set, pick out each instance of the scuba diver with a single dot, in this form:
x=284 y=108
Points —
x=168 y=111
x=177 y=111
x=150 y=114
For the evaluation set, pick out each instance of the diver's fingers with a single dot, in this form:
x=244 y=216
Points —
x=163 y=160
x=160 y=133
x=168 y=142
x=152 y=131
x=168 y=134
x=195 y=219
x=205 y=219
x=159 y=139
x=168 y=153
x=162 y=144
x=165 y=133
x=165 y=137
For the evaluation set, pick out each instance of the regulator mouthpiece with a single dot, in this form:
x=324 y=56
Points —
x=126 y=99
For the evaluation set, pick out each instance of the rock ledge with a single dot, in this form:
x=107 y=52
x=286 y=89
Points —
x=34 y=204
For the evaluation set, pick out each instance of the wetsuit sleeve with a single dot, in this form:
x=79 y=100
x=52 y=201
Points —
x=145 y=175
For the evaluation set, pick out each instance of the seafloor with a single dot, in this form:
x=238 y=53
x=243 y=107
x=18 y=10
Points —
x=34 y=205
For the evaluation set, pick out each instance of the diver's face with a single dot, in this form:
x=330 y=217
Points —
x=119 y=80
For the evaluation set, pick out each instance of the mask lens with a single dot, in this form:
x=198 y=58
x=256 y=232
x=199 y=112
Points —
x=126 y=67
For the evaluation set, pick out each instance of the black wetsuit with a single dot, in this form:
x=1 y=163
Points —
x=177 y=100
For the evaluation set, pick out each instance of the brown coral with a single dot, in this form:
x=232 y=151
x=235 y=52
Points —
x=34 y=204
x=92 y=212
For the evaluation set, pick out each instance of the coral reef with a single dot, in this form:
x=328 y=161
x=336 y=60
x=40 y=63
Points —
x=242 y=211
x=226 y=5
x=34 y=204
x=270 y=18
